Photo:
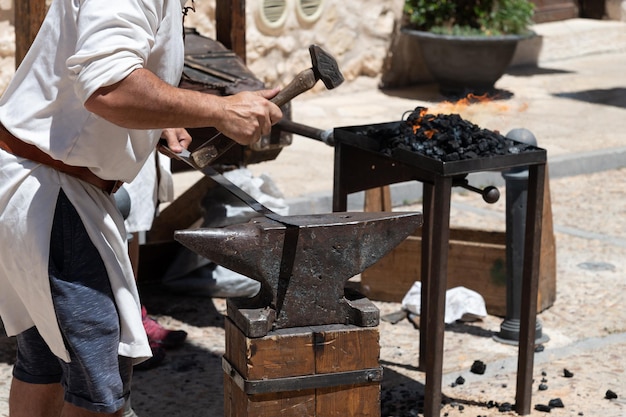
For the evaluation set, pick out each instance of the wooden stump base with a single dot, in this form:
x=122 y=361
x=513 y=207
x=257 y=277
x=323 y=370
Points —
x=329 y=370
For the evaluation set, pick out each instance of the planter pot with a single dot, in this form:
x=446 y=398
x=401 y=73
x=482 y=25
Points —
x=466 y=64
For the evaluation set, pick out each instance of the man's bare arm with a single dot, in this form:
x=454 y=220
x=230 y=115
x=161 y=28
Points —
x=143 y=101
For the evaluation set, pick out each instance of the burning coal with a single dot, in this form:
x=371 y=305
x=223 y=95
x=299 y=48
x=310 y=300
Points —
x=445 y=137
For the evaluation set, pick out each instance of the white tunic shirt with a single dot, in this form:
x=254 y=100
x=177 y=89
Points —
x=81 y=46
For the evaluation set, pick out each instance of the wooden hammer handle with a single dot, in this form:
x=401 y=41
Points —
x=301 y=83
x=219 y=144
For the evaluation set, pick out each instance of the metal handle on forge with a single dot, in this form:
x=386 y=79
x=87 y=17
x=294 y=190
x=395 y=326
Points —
x=490 y=193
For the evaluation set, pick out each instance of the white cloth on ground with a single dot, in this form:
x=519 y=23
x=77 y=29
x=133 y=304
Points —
x=461 y=303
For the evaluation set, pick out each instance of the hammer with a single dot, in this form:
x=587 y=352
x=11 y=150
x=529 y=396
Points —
x=324 y=67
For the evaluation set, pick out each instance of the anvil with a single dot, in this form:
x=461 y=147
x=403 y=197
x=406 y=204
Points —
x=303 y=263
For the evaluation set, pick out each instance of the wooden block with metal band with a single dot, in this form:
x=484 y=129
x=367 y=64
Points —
x=327 y=370
x=17 y=147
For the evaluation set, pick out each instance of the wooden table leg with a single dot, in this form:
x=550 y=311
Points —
x=437 y=285
x=528 y=313
x=378 y=199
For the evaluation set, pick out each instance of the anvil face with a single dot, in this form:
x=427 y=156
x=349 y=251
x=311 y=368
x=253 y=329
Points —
x=303 y=266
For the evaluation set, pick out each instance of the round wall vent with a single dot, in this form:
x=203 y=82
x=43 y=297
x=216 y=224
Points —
x=273 y=13
x=309 y=10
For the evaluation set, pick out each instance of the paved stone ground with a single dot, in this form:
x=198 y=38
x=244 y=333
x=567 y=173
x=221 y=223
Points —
x=574 y=107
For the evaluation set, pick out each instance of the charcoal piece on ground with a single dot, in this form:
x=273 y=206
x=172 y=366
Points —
x=610 y=395
x=556 y=403
x=543 y=387
x=567 y=373
x=478 y=367
x=543 y=407
x=505 y=407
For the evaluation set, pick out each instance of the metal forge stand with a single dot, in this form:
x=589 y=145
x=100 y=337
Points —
x=360 y=166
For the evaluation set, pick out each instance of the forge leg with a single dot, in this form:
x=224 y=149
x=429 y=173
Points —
x=427 y=248
x=437 y=283
x=528 y=316
x=340 y=192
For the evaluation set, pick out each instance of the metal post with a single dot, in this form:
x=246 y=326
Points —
x=516 y=201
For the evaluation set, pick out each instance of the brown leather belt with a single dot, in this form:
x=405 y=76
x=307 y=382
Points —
x=17 y=147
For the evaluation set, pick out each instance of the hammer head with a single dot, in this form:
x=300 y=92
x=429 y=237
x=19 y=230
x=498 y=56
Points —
x=325 y=67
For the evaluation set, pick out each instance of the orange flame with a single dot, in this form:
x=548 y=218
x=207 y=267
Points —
x=464 y=103
x=423 y=116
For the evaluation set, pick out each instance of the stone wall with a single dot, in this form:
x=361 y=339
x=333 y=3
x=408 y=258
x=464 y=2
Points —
x=362 y=35
x=356 y=33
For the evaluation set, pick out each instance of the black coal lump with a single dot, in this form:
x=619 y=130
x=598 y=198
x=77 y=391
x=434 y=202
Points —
x=556 y=403
x=478 y=367
x=542 y=407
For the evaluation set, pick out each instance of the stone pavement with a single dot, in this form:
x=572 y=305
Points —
x=576 y=107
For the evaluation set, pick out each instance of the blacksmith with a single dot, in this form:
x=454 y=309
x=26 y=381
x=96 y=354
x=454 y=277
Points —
x=82 y=114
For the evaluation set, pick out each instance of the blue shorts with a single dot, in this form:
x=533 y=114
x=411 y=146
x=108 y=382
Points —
x=97 y=378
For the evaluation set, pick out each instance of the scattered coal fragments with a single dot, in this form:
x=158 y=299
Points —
x=459 y=381
x=444 y=137
x=554 y=403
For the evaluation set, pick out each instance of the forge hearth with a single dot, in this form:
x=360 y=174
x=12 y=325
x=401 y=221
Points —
x=444 y=137
x=445 y=145
x=372 y=156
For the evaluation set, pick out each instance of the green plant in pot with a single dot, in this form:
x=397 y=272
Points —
x=468 y=44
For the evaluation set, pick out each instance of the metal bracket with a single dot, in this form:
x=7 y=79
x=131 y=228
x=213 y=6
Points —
x=303 y=382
